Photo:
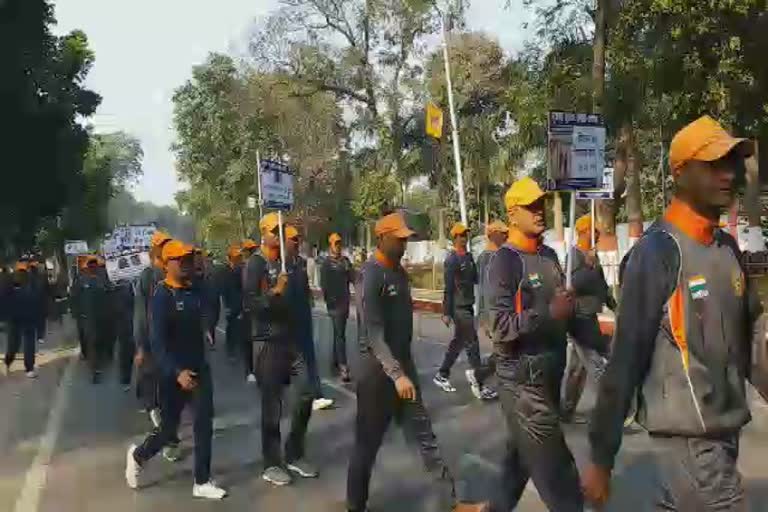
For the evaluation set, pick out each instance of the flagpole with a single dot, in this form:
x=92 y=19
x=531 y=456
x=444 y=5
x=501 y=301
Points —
x=258 y=183
x=456 y=147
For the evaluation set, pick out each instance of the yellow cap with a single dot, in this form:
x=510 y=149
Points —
x=250 y=244
x=269 y=223
x=159 y=238
x=522 y=193
x=496 y=227
x=22 y=266
x=335 y=237
x=393 y=224
x=291 y=232
x=704 y=140
x=584 y=224
x=175 y=249
x=458 y=229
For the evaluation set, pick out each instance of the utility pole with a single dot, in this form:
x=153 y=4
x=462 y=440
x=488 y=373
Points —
x=455 y=133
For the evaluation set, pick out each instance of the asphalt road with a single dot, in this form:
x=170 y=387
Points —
x=63 y=442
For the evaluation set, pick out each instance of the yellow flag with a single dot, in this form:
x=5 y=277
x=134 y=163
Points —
x=434 y=121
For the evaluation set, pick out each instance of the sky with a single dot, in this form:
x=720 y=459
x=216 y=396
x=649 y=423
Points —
x=146 y=48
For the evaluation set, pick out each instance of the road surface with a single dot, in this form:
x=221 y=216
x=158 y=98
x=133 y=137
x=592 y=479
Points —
x=63 y=442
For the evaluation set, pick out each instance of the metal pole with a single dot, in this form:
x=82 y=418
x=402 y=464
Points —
x=592 y=213
x=456 y=146
x=571 y=242
x=282 y=241
x=258 y=182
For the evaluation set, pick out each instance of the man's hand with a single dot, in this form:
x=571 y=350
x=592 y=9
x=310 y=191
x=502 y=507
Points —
x=596 y=484
x=187 y=380
x=282 y=283
x=447 y=320
x=138 y=358
x=405 y=388
x=209 y=338
x=561 y=306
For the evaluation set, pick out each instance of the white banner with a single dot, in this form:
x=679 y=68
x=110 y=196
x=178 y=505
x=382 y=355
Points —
x=276 y=185
x=74 y=247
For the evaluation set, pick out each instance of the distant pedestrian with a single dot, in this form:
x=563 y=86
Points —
x=387 y=386
x=177 y=337
x=233 y=304
x=336 y=276
x=123 y=301
x=39 y=280
x=458 y=309
x=250 y=249
x=588 y=346
x=95 y=297
x=22 y=319
x=496 y=233
x=302 y=300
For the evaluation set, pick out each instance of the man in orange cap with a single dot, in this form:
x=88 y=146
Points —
x=278 y=359
x=94 y=296
x=588 y=349
x=21 y=319
x=496 y=233
x=387 y=386
x=683 y=336
x=336 y=274
x=301 y=298
x=177 y=337
x=531 y=310
x=458 y=308
x=232 y=293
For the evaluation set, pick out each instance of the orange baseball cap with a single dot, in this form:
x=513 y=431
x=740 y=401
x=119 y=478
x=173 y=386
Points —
x=496 y=227
x=91 y=258
x=584 y=224
x=175 y=249
x=159 y=238
x=268 y=223
x=704 y=140
x=335 y=237
x=250 y=244
x=393 y=224
x=233 y=251
x=458 y=229
x=523 y=193
x=291 y=231
x=21 y=266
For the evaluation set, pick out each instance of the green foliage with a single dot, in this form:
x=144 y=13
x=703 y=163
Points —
x=374 y=193
x=42 y=100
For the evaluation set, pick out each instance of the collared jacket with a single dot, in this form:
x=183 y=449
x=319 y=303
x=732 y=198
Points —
x=336 y=274
x=682 y=343
x=460 y=275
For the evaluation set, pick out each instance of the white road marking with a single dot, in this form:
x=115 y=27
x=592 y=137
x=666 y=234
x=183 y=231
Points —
x=35 y=480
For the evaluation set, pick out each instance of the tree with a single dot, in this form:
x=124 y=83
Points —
x=42 y=98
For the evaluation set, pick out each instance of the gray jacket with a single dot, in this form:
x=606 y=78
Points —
x=682 y=341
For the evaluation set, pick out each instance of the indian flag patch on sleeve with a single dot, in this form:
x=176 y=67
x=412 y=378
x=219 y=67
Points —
x=698 y=286
x=535 y=280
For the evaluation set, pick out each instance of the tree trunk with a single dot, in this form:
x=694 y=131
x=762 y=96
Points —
x=486 y=213
x=598 y=54
x=634 y=198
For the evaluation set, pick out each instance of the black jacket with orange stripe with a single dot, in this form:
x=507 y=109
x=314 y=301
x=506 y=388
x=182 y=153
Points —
x=682 y=341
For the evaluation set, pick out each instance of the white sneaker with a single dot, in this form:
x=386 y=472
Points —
x=32 y=374
x=443 y=383
x=251 y=378
x=41 y=341
x=208 y=490
x=321 y=403
x=132 y=469
x=154 y=416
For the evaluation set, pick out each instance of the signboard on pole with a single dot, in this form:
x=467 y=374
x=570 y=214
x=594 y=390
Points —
x=276 y=185
x=604 y=192
x=73 y=247
x=576 y=150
